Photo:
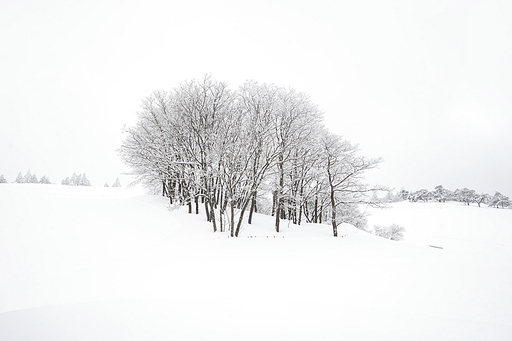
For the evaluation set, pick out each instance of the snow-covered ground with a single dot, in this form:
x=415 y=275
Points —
x=83 y=263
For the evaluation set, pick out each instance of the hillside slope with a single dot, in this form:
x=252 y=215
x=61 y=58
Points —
x=451 y=225
x=115 y=264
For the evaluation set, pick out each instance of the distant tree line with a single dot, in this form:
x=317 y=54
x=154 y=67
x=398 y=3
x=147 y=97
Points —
x=464 y=195
x=28 y=178
x=259 y=148
x=76 y=180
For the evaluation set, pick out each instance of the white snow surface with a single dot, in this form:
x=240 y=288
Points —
x=86 y=263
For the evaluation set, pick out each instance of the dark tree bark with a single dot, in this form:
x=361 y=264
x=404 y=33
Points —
x=164 y=189
x=253 y=207
x=315 y=214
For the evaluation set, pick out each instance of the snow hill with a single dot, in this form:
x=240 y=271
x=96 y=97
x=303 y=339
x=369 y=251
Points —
x=84 y=263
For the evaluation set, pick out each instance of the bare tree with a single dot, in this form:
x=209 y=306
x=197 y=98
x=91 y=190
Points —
x=344 y=174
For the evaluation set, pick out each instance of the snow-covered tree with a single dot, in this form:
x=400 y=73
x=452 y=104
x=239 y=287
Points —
x=83 y=181
x=33 y=179
x=422 y=195
x=44 y=180
x=106 y=184
x=258 y=102
x=74 y=180
x=465 y=195
x=403 y=194
x=19 y=179
x=28 y=177
x=482 y=198
x=440 y=194
x=296 y=128
x=344 y=174
x=2 y=179
x=499 y=200
x=66 y=181
x=117 y=183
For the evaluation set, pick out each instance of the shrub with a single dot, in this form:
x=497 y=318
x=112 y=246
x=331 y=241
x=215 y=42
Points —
x=392 y=232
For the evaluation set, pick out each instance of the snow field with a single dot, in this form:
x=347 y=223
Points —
x=82 y=263
x=451 y=225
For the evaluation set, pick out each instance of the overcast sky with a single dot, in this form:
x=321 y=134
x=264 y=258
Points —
x=426 y=85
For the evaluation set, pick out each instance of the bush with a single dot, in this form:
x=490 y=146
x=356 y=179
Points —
x=393 y=232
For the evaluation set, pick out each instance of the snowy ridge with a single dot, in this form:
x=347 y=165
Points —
x=115 y=264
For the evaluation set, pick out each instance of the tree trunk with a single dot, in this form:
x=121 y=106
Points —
x=315 y=213
x=240 y=219
x=299 y=219
x=282 y=209
x=306 y=212
x=253 y=207
x=221 y=225
x=279 y=199
x=207 y=211
x=333 y=215
x=333 y=203
x=212 y=215
x=301 y=201
x=232 y=220
x=277 y=218
x=274 y=202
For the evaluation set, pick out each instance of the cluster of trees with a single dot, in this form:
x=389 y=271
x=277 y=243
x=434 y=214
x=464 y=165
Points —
x=116 y=184
x=232 y=151
x=76 y=180
x=30 y=178
x=465 y=195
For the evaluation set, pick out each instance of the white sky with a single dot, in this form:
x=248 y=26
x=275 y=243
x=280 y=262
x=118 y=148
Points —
x=427 y=85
